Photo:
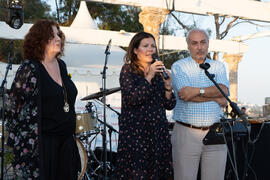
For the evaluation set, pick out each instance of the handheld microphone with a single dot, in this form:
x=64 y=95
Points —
x=205 y=66
x=107 y=51
x=156 y=57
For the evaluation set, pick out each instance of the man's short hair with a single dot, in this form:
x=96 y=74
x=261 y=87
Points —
x=197 y=29
x=243 y=108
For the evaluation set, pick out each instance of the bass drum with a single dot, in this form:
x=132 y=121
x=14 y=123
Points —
x=85 y=122
x=83 y=157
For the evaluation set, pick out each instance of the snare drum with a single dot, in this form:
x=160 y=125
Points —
x=85 y=122
x=83 y=157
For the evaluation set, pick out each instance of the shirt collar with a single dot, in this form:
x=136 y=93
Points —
x=206 y=60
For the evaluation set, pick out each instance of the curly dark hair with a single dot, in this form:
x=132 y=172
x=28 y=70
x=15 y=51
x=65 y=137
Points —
x=131 y=57
x=38 y=37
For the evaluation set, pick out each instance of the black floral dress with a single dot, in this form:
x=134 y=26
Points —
x=144 y=148
x=24 y=124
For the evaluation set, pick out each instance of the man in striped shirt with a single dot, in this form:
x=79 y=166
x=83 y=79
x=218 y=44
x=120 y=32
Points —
x=199 y=105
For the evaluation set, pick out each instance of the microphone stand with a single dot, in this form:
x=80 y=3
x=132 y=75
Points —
x=2 y=95
x=104 y=140
x=235 y=108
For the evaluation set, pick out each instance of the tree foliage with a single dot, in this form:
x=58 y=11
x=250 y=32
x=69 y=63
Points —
x=115 y=17
x=3 y=10
x=11 y=49
x=66 y=11
x=36 y=9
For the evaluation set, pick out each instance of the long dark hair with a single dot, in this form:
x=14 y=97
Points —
x=131 y=57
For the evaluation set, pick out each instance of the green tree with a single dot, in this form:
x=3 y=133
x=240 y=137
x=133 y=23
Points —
x=3 y=10
x=12 y=49
x=66 y=11
x=115 y=17
x=36 y=9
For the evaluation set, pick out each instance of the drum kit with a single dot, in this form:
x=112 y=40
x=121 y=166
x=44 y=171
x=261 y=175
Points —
x=87 y=129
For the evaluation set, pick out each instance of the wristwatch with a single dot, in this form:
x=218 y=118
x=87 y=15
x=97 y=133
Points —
x=202 y=91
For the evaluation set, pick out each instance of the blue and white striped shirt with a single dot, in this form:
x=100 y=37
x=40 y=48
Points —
x=186 y=72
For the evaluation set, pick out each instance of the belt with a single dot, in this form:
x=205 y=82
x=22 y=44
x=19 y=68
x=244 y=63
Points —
x=204 y=128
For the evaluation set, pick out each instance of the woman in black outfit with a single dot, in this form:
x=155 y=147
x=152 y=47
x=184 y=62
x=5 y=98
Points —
x=144 y=148
x=41 y=118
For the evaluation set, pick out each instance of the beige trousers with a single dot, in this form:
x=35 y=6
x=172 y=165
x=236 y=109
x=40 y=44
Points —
x=188 y=152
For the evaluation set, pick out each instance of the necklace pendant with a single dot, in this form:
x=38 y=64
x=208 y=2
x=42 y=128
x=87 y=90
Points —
x=66 y=107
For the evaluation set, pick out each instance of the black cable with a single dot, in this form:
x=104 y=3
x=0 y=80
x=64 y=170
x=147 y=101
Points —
x=245 y=153
x=253 y=172
x=245 y=172
x=233 y=149
x=258 y=135
x=248 y=161
x=233 y=165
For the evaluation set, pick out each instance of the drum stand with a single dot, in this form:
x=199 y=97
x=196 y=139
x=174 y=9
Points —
x=93 y=172
x=90 y=172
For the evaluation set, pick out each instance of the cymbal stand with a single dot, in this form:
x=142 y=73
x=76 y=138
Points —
x=104 y=140
x=99 y=170
x=111 y=129
x=110 y=137
x=108 y=106
x=2 y=94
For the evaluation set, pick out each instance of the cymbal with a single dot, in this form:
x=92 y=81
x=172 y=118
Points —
x=100 y=94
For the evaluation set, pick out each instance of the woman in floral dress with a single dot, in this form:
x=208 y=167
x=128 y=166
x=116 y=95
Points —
x=41 y=116
x=144 y=148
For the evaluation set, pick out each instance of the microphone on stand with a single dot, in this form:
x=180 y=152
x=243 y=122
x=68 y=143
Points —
x=205 y=66
x=156 y=57
x=107 y=51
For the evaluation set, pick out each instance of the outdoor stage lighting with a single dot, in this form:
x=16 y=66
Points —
x=15 y=14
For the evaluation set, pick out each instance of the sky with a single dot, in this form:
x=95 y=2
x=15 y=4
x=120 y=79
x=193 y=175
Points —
x=254 y=69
